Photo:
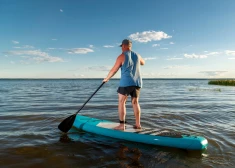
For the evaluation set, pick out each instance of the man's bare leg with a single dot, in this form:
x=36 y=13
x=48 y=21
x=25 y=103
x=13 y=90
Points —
x=136 y=109
x=121 y=111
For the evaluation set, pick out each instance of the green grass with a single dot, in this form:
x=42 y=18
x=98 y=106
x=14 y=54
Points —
x=222 y=82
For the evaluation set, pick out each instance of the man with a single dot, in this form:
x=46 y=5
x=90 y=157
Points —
x=130 y=82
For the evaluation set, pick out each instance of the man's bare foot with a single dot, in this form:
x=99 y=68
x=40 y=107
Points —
x=120 y=127
x=137 y=127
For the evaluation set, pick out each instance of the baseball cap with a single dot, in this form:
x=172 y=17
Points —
x=126 y=42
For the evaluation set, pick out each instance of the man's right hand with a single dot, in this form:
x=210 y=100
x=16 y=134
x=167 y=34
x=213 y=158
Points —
x=105 y=80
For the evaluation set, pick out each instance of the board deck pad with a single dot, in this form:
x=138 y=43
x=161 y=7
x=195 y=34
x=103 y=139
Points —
x=143 y=130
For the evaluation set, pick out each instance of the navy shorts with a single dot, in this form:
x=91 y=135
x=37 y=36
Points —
x=134 y=91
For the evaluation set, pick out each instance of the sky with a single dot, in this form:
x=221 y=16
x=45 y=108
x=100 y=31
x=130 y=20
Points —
x=79 y=39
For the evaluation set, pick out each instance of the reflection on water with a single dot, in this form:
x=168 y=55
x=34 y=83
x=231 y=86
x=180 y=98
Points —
x=32 y=109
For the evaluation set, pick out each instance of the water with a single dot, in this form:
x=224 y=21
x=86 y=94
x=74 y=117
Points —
x=32 y=109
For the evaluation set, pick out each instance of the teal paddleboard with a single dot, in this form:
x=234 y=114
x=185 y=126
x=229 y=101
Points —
x=161 y=137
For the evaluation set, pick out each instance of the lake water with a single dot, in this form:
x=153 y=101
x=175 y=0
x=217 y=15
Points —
x=32 y=109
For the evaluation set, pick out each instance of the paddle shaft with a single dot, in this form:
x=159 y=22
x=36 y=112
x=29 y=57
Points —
x=67 y=123
x=90 y=97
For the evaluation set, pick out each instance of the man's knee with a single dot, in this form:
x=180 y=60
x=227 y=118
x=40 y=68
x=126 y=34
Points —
x=122 y=100
x=134 y=101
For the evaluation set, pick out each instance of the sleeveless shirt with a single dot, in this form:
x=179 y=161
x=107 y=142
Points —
x=130 y=70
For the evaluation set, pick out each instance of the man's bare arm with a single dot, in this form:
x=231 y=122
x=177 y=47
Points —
x=115 y=68
x=142 y=61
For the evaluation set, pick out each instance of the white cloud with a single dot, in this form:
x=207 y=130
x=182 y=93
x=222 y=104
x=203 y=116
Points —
x=80 y=50
x=78 y=75
x=108 y=46
x=35 y=55
x=229 y=52
x=154 y=75
x=231 y=58
x=25 y=47
x=212 y=53
x=155 y=45
x=28 y=46
x=51 y=48
x=172 y=43
x=194 y=56
x=164 y=48
x=149 y=58
x=15 y=42
x=148 y=36
x=213 y=73
x=47 y=59
x=28 y=52
x=99 y=68
x=177 y=67
x=174 y=58
x=201 y=55
x=61 y=10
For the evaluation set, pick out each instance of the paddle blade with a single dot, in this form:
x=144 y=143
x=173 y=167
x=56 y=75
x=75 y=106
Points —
x=67 y=123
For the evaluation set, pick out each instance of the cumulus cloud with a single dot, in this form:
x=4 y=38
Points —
x=35 y=55
x=47 y=59
x=99 y=68
x=80 y=50
x=213 y=53
x=108 y=46
x=25 y=47
x=15 y=42
x=230 y=53
x=155 y=45
x=201 y=55
x=177 y=67
x=174 y=58
x=213 y=73
x=194 y=56
x=154 y=75
x=78 y=75
x=148 y=36
x=149 y=58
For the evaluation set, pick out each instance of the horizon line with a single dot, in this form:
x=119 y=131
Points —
x=112 y=78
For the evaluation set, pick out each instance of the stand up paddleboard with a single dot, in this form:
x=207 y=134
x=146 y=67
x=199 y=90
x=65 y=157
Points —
x=161 y=137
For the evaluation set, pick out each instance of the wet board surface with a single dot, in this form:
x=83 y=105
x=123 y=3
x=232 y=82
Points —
x=143 y=130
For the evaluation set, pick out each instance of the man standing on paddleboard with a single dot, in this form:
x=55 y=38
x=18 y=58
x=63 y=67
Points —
x=130 y=82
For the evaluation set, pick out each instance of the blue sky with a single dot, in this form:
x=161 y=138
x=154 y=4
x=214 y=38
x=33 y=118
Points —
x=79 y=39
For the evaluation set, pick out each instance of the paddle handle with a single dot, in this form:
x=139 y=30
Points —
x=90 y=97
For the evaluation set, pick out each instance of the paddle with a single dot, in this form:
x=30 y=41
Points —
x=67 y=123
